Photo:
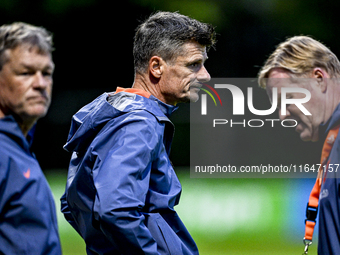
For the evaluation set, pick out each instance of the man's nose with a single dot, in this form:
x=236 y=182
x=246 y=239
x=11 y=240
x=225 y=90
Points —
x=203 y=75
x=40 y=81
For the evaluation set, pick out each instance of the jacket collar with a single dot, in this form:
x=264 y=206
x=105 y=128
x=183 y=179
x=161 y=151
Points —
x=165 y=108
x=10 y=127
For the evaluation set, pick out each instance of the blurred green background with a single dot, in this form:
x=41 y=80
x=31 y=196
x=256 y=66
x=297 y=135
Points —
x=93 y=41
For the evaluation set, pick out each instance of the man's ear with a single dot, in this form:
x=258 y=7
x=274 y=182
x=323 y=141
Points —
x=321 y=76
x=156 y=66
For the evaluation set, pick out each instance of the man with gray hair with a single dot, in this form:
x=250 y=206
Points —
x=122 y=188
x=302 y=62
x=28 y=223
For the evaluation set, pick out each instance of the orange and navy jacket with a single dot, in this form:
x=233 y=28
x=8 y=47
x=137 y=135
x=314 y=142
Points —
x=28 y=223
x=122 y=189
x=329 y=199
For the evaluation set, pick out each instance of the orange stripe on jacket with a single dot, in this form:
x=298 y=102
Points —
x=139 y=92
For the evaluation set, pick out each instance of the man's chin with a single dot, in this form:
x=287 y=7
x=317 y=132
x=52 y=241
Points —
x=193 y=98
x=305 y=139
x=33 y=114
x=309 y=137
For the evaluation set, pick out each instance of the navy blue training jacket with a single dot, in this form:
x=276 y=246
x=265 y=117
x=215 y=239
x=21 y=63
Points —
x=28 y=223
x=329 y=200
x=121 y=188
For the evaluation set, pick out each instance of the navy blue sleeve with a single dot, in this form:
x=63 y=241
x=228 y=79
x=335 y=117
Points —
x=122 y=183
x=67 y=213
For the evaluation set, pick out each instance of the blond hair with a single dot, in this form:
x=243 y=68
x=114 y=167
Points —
x=300 y=55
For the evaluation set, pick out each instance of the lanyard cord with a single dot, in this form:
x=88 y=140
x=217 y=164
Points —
x=313 y=203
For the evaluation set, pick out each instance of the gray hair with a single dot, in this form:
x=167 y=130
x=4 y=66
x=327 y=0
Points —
x=164 y=33
x=19 y=33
